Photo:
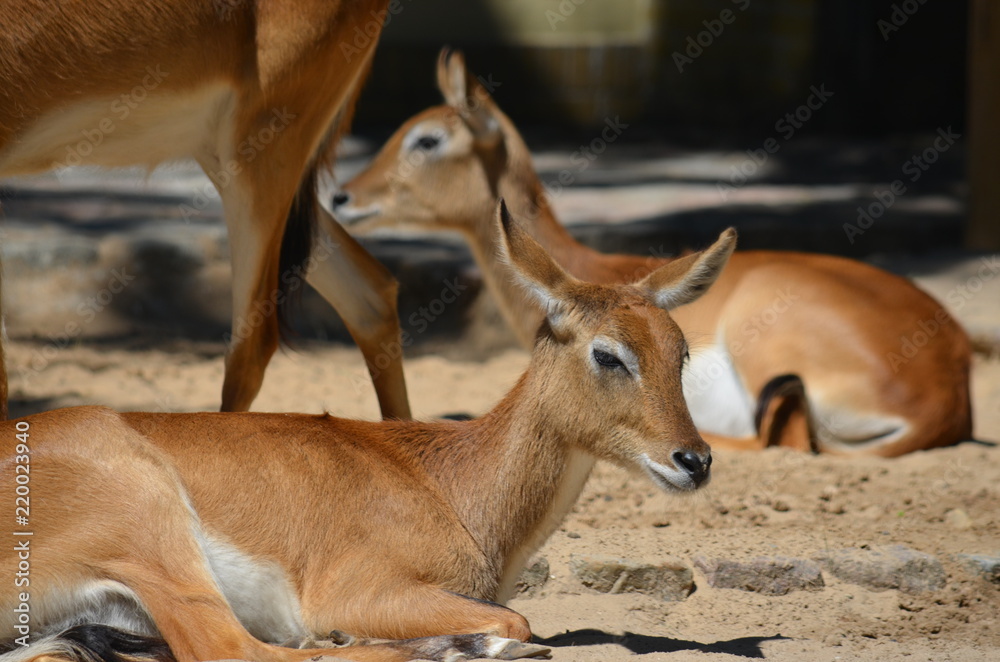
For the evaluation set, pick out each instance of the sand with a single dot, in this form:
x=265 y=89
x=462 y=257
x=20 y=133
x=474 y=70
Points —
x=774 y=503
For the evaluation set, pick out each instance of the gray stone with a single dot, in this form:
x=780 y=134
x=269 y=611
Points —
x=881 y=568
x=987 y=567
x=533 y=577
x=766 y=575
x=670 y=580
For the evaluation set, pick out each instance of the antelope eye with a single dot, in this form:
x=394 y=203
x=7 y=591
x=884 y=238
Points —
x=606 y=360
x=427 y=143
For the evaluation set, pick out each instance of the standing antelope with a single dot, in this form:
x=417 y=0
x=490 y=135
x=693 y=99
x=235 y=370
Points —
x=286 y=527
x=776 y=327
x=256 y=91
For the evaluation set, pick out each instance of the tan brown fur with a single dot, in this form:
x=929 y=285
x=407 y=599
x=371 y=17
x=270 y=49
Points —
x=251 y=61
x=838 y=338
x=393 y=529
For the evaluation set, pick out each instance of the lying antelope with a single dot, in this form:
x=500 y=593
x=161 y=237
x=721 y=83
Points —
x=286 y=527
x=776 y=327
x=256 y=92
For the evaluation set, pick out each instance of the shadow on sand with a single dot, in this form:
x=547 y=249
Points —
x=641 y=644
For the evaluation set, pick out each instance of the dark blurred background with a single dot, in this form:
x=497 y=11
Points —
x=723 y=73
x=571 y=63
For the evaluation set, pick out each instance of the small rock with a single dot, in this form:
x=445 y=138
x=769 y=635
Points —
x=766 y=575
x=572 y=534
x=533 y=577
x=669 y=580
x=987 y=567
x=958 y=519
x=781 y=506
x=880 y=568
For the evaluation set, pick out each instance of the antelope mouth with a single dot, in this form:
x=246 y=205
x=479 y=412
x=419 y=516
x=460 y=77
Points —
x=672 y=479
x=354 y=215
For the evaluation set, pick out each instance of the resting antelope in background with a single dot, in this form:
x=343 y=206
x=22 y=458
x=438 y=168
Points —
x=289 y=526
x=789 y=348
x=255 y=91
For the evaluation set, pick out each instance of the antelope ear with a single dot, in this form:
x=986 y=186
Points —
x=463 y=92
x=529 y=264
x=687 y=278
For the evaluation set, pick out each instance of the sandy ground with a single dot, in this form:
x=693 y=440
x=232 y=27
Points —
x=774 y=503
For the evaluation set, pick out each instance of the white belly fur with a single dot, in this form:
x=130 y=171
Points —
x=259 y=592
x=715 y=394
x=162 y=126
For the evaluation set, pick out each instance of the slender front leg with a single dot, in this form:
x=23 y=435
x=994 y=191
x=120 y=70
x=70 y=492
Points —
x=256 y=224
x=443 y=648
x=364 y=293
x=399 y=608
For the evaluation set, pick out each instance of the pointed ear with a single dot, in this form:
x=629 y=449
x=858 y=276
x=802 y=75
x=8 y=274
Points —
x=529 y=264
x=463 y=92
x=687 y=278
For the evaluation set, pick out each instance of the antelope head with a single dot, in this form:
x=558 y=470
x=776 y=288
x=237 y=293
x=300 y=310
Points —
x=607 y=364
x=445 y=167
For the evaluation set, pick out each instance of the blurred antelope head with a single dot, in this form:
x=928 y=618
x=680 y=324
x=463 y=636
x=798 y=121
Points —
x=466 y=145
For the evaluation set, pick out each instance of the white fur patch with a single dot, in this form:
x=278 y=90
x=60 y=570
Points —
x=715 y=395
x=840 y=429
x=94 y=602
x=667 y=478
x=259 y=592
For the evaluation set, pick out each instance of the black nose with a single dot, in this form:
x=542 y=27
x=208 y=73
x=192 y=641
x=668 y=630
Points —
x=696 y=465
x=341 y=198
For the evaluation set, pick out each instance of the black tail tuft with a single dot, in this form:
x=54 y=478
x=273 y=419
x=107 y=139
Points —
x=91 y=643
x=296 y=245
x=776 y=386
x=101 y=643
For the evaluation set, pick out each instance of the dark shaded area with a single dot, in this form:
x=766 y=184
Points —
x=99 y=212
x=892 y=69
x=641 y=644
x=27 y=407
x=892 y=80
